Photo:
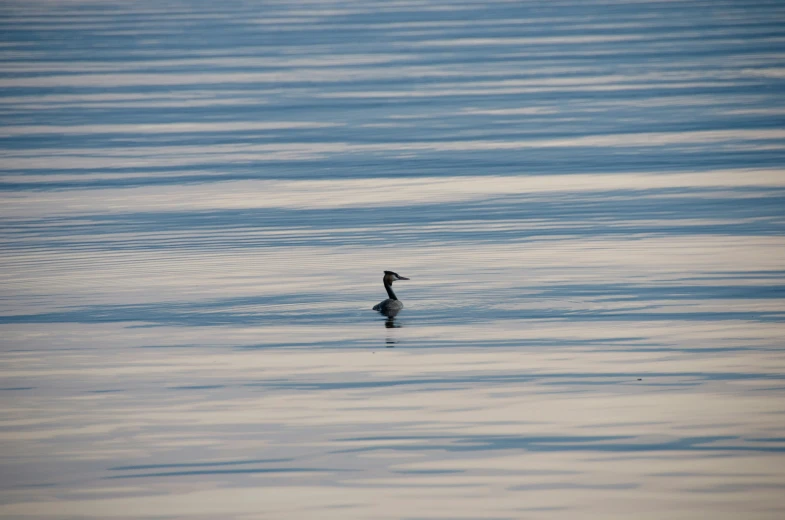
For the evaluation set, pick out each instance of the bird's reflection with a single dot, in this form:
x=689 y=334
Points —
x=390 y=323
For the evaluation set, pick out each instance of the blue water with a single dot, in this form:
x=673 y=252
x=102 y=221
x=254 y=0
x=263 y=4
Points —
x=197 y=202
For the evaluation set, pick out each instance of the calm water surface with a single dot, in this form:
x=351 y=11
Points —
x=198 y=201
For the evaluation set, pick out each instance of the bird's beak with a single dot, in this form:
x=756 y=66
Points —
x=402 y=277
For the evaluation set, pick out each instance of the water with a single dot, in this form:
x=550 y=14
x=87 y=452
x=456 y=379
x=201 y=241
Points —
x=198 y=202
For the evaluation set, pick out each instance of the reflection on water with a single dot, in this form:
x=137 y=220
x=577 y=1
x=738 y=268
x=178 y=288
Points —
x=390 y=322
x=197 y=204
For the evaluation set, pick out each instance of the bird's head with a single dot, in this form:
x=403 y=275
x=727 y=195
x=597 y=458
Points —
x=390 y=277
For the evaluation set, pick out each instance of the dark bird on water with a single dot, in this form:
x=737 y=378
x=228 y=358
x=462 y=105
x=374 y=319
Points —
x=391 y=305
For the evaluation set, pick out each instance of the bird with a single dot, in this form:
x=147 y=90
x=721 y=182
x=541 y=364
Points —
x=392 y=305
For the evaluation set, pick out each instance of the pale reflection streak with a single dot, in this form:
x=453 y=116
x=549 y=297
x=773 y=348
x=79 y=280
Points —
x=373 y=193
x=328 y=76
x=174 y=155
x=164 y=128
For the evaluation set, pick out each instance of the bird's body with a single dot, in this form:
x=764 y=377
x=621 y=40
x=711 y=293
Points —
x=392 y=305
x=388 y=305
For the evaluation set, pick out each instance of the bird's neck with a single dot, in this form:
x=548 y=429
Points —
x=390 y=292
